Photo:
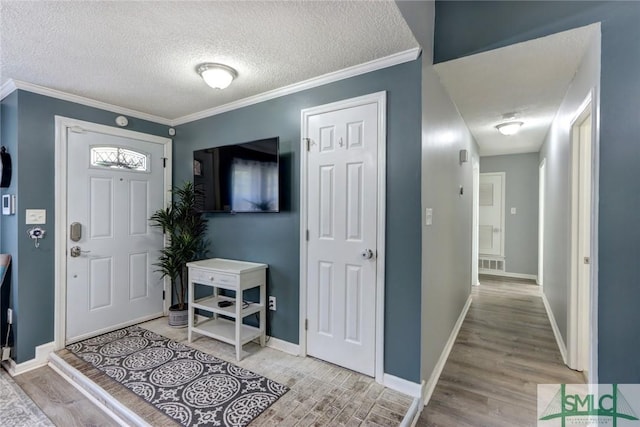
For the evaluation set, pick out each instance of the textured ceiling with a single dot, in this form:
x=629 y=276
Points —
x=143 y=55
x=530 y=79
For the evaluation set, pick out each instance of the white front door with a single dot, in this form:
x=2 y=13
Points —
x=114 y=184
x=342 y=206
x=491 y=228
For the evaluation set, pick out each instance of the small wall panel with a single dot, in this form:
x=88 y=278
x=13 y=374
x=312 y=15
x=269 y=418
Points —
x=353 y=304
x=327 y=195
x=138 y=205
x=138 y=275
x=355 y=134
x=327 y=139
x=100 y=282
x=325 y=290
x=101 y=207
x=354 y=201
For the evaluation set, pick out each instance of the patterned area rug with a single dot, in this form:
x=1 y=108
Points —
x=16 y=408
x=192 y=387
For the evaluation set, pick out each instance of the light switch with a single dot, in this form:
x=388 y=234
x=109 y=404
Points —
x=428 y=216
x=513 y=211
x=36 y=216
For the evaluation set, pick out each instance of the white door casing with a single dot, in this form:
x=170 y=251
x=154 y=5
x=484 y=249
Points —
x=579 y=330
x=491 y=214
x=113 y=282
x=541 y=197
x=475 y=222
x=341 y=270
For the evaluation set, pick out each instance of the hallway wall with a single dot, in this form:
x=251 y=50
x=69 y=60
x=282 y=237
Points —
x=463 y=28
x=521 y=192
x=556 y=151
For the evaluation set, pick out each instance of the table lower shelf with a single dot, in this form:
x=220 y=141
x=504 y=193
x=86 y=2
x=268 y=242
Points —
x=225 y=330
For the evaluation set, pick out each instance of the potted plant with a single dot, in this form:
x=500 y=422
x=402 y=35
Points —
x=184 y=227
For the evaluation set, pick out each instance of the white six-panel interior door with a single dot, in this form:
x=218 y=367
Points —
x=341 y=152
x=114 y=183
x=491 y=214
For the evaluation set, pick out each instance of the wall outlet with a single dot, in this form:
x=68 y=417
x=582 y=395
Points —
x=272 y=303
x=9 y=316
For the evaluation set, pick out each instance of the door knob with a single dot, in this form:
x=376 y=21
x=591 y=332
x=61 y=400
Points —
x=367 y=254
x=76 y=251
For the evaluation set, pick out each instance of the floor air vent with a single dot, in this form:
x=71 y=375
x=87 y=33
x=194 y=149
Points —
x=490 y=264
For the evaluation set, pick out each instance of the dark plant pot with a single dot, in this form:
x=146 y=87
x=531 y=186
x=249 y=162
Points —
x=178 y=318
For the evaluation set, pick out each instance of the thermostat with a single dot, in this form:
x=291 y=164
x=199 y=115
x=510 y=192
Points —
x=8 y=204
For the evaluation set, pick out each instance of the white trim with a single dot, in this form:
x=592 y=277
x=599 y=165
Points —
x=437 y=370
x=115 y=327
x=554 y=326
x=96 y=394
x=380 y=98
x=60 y=182
x=356 y=70
x=542 y=189
x=377 y=64
x=475 y=221
x=7 y=89
x=413 y=413
x=283 y=346
x=576 y=315
x=13 y=85
x=42 y=353
x=403 y=386
x=508 y=274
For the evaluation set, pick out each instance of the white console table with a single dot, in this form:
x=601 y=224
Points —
x=231 y=275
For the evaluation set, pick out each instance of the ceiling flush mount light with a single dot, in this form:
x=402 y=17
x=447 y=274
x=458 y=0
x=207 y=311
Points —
x=217 y=76
x=509 y=128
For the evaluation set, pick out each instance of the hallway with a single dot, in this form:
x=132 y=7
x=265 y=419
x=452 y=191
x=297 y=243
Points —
x=504 y=349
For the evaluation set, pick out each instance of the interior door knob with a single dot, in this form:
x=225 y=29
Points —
x=367 y=254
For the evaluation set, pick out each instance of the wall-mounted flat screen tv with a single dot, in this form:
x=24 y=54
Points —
x=240 y=177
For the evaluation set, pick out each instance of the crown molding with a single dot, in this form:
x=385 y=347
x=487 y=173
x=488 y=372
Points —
x=377 y=64
x=356 y=70
x=12 y=85
x=7 y=89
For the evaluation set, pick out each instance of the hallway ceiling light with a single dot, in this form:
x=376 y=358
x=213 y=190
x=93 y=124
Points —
x=509 y=128
x=217 y=76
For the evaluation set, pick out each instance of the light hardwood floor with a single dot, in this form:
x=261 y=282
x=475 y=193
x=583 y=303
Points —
x=60 y=401
x=505 y=348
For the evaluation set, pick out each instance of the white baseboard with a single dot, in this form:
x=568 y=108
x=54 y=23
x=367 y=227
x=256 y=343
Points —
x=508 y=274
x=401 y=385
x=437 y=370
x=556 y=331
x=413 y=414
x=122 y=415
x=284 y=346
x=41 y=359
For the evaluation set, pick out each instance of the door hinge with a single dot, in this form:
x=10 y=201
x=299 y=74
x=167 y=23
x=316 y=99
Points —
x=307 y=235
x=306 y=324
x=163 y=295
x=308 y=142
x=164 y=162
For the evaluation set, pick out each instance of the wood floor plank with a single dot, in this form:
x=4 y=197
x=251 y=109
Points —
x=504 y=349
x=60 y=401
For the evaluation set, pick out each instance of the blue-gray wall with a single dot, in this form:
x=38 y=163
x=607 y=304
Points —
x=9 y=139
x=521 y=229
x=274 y=238
x=33 y=155
x=479 y=26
